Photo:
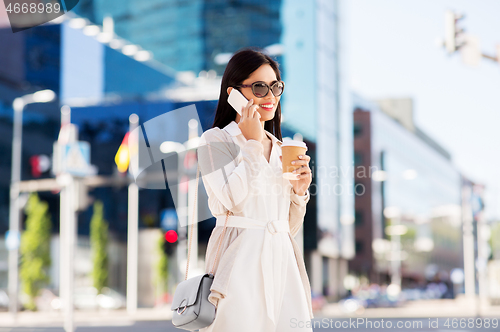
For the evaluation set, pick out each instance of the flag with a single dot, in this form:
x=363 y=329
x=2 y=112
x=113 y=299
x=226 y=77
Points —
x=122 y=157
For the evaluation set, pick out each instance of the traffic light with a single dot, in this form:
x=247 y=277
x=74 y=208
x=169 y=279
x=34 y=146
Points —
x=168 y=223
x=170 y=242
x=452 y=31
x=39 y=164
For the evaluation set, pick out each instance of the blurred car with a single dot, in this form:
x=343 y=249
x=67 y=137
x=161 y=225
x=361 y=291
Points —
x=44 y=300
x=110 y=299
x=412 y=294
x=87 y=298
x=352 y=305
x=373 y=296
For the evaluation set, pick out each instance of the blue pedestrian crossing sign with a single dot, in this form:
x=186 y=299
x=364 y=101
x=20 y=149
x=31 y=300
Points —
x=72 y=158
x=168 y=219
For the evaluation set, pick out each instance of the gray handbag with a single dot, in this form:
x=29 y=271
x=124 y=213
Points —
x=190 y=305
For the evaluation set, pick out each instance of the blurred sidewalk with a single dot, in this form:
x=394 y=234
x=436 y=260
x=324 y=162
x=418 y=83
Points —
x=415 y=309
x=85 y=318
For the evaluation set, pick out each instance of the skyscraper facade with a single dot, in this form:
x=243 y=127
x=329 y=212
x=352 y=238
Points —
x=400 y=168
x=188 y=35
x=317 y=104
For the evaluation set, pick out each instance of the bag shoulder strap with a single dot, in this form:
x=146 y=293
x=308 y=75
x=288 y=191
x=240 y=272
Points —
x=191 y=229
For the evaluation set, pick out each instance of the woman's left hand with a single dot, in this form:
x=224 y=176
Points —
x=305 y=175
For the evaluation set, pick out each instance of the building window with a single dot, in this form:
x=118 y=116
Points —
x=358 y=129
x=359 y=188
x=358 y=158
x=358 y=218
x=359 y=247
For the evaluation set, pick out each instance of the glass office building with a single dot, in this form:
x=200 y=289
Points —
x=403 y=177
x=187 y=35
x=317 y=104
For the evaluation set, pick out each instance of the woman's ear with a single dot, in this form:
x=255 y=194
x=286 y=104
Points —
x=229 y=89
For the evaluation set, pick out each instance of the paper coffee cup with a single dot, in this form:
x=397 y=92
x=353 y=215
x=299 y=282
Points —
x=290 y=150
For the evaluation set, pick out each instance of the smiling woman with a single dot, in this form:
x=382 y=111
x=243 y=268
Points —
x=260 y=281
x=264 y=95
x=247 y=68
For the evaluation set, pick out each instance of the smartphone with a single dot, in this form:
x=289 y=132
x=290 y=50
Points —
x=237 y=100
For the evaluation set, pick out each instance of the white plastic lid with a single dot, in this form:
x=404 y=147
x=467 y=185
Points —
x=291 y=142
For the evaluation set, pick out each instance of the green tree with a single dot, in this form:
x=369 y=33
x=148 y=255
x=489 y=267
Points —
x=161 y=265
x=99 y=244
x=35 y=249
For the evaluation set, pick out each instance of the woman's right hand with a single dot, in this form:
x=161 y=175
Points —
x=249 y=124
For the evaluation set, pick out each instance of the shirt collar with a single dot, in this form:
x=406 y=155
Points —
x=233 y=130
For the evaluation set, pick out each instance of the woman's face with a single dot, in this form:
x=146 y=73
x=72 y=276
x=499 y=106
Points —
x=267 y=104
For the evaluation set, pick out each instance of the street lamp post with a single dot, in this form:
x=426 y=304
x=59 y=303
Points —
x=192 y=212
x=133 y=220
x=43 y=96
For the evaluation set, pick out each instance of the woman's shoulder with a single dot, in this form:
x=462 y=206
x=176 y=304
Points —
x=220 y=141
x=214 y=134
x=214 y=131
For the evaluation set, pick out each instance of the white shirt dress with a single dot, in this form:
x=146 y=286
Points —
x=260 y=279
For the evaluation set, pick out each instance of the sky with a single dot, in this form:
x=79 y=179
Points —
x=392 y=53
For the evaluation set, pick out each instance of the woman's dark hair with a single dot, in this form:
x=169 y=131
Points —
x=242 y=64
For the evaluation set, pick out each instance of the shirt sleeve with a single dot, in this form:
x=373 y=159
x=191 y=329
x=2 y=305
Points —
x=229 y=180
x=297 y=210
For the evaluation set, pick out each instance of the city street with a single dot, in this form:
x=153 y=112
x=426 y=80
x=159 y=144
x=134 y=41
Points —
x=320 y=324
x=326 y=159
x=433 y=315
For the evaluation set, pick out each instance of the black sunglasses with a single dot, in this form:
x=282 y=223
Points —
x=261 y=89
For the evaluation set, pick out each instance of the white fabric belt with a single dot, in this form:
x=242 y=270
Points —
x=273 y=262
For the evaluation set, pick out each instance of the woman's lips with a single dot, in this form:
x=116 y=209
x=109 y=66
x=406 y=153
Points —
x=267 y=108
